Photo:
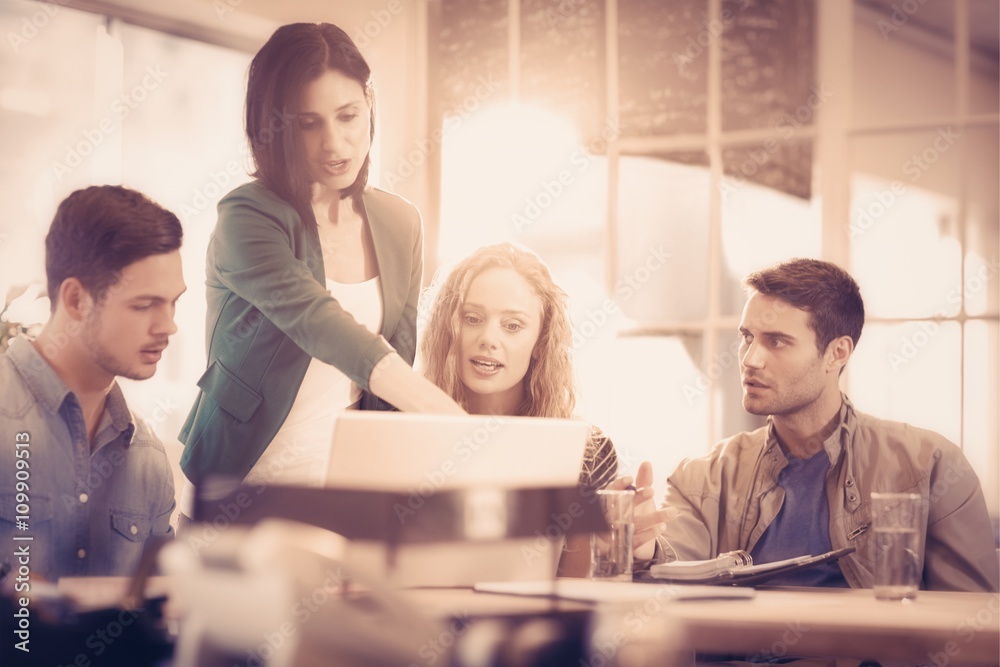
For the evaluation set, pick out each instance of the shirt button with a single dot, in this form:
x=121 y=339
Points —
x=852 y=497
x=133 y=529
x=84 y=497
x=81 y=554
x=850 y=482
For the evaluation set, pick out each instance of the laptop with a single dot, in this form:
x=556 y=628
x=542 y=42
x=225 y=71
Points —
x=485 y=462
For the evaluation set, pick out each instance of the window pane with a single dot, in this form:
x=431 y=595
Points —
x=905 y=186
x=471 y=49
x=651 y=416
x=562 y=60
x=767 y=212
x=768 y=71
x=490 y=192
x=51 y=124
x=982 y=395
x=662 y=66
x=724 y=367
x=982 y=261
x=984 y=58
x=663 y=240
x=183 y=146
x=910 y=373
x=904 y=62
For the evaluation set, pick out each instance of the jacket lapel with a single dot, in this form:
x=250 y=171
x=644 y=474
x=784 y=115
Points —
x=392 y=258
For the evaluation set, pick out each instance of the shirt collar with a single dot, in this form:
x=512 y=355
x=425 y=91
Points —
x=834 y=444
x=43 y=382
x=117 y=410
x=50 y=391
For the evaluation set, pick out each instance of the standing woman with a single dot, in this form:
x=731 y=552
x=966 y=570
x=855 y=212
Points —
x=312 y=276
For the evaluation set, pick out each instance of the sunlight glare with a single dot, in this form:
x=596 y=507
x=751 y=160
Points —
x=490 y=163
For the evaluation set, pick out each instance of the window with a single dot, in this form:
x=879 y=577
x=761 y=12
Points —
x=677 y=138
x=925 y=219
x=86 y=99
x=721 y=137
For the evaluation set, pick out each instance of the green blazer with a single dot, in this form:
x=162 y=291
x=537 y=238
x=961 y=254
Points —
x=269 y=312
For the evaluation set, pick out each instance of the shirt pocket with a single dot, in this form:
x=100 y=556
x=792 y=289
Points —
x=229 y=392
x=37 y=525
x=39 y=508
x=133 y=527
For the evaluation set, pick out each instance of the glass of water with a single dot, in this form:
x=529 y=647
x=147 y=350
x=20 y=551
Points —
x=611 y=552
x=896 y=522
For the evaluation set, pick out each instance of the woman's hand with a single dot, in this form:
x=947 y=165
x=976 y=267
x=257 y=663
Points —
x=393 y=380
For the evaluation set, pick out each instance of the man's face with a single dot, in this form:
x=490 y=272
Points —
x=126 y=334
x=782 y=370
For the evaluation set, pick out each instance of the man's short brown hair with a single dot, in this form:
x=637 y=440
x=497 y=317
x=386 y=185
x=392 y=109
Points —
x=824 y=290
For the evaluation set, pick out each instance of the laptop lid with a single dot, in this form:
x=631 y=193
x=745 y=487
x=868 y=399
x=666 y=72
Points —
x=404 y=452
x=418 y=455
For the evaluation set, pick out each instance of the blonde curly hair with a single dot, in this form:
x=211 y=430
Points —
x=549 y=382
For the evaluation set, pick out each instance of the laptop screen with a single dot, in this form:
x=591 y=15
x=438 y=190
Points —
x=490 y=460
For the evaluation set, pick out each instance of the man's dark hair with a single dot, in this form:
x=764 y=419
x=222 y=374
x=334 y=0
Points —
x=100 y=230
x=295 y=55
x=828 y=293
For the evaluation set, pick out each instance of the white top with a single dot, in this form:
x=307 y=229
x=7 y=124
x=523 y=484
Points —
x=298 y=452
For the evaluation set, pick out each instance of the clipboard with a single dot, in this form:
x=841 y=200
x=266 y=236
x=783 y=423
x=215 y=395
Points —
x=749 y=575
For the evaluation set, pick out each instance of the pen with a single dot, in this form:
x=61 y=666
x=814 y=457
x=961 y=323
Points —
x=631 y=487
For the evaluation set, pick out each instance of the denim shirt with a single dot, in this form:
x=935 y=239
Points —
x=89 y=510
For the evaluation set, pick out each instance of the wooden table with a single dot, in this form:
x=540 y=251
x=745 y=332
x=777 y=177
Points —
x=937 y=628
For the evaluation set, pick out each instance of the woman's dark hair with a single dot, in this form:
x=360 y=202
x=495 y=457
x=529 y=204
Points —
x=295 y=55
x=100 y=230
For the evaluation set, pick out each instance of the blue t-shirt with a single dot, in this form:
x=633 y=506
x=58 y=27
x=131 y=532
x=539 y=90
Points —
x=802 y=525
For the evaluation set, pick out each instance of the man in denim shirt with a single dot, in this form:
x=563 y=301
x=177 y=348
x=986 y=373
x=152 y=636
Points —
x=83 y=482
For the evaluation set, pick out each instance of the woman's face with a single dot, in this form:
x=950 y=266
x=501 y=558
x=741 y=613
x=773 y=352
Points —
x=334 y=120
x=501 y=319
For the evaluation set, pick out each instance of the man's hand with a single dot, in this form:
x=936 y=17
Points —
x=649 y=521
